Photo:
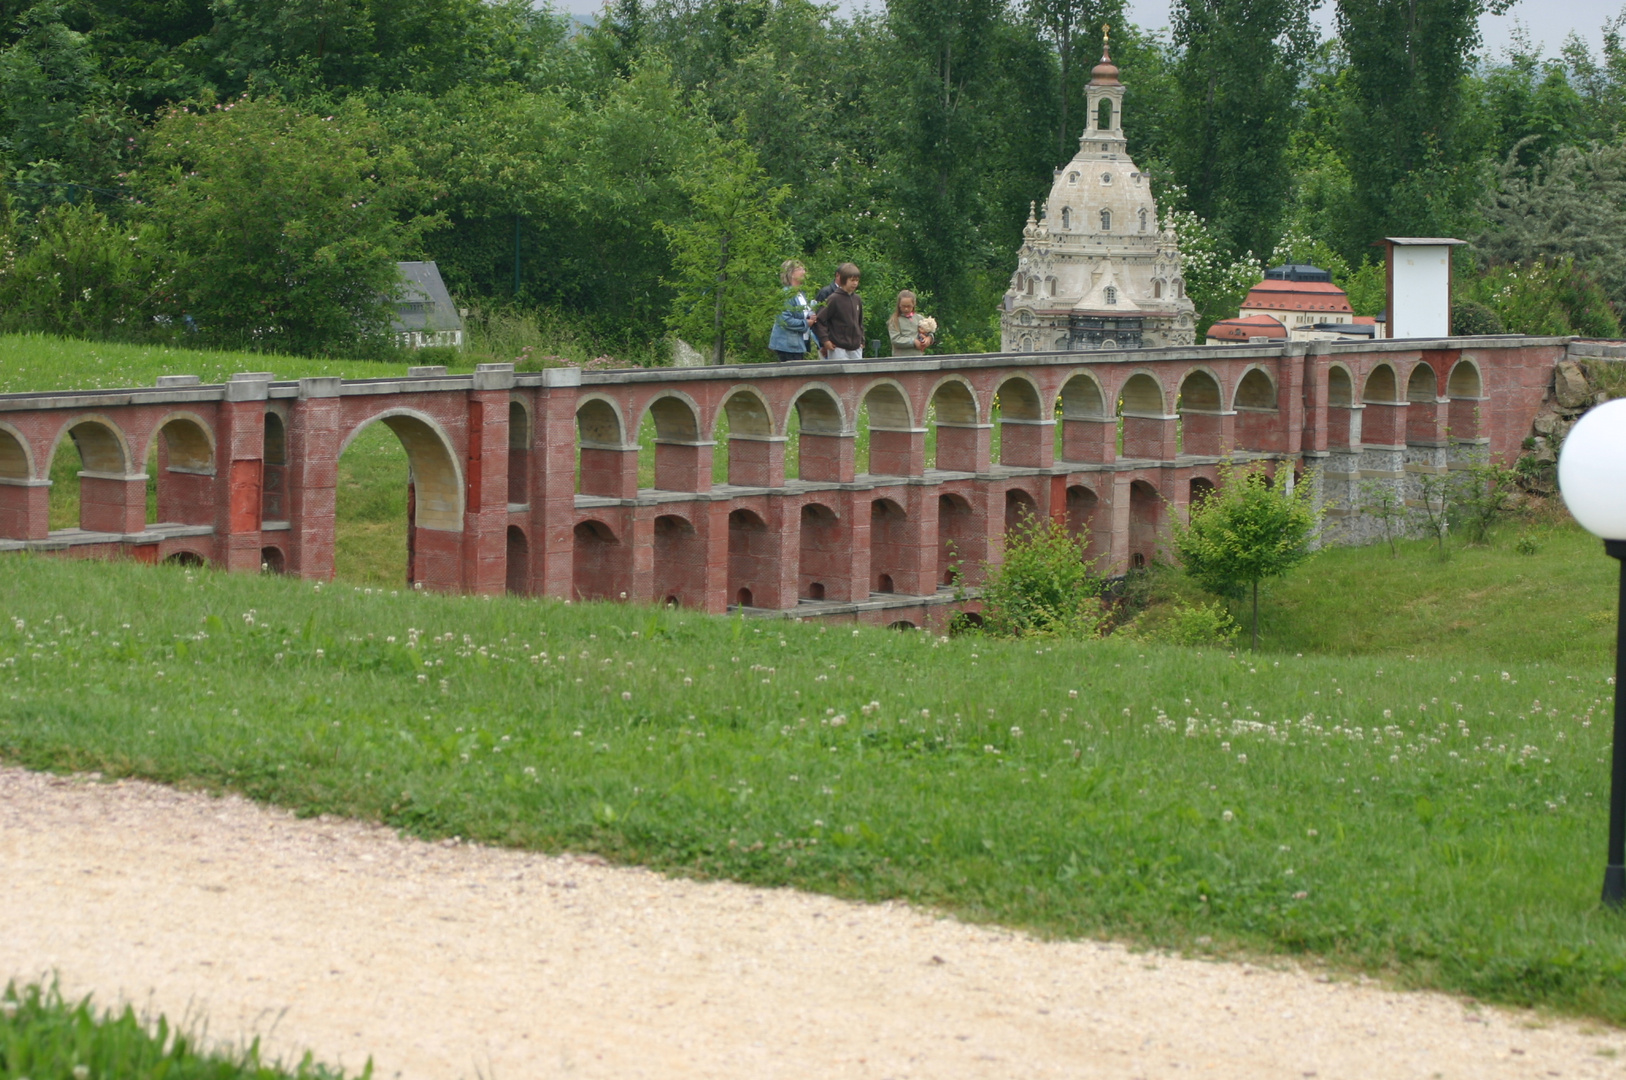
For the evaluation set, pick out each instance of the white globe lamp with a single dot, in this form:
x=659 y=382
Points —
x=1592 y=477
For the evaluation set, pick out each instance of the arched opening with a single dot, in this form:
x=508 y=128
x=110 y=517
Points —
x=1157 y=286
x=601 y=566
x=89 y=489
x=894 y=449
x=820 y=572
x=1343 y=430
x=680 y=562
x=1256 y=391
x=1200 y=407
x=272 y=561
x=1201 y=489
x=1066 y=217
x=519 y=455
x=398 y=507
x=518 y=575
x=960 y=547
x=1106 y=226
x=824 y=450
x=1145 y=519
x=1021 y=510
x=1088 y=431
x=1019 y=424
x=1464 y=389
x=1464 y=381
x=751 y=556
x=889 y=548
x=953 y=433
x=1422 y=418
x=1381 y=386
x=1340 y=390
x=1082 y=505
x=753 y=456
x=14 y=459
x=1143 y=222
x=274 y=477
x=743 y=598
x=601 y=465
x=1103 y=115
x=180 y=474
x=1258 y=423
x=1142 y=416
x=189 y=559
x=18 y=505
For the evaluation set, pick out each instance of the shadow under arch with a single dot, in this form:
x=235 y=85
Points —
x=678 y=441
x=892 y=432
x=1087 y=425
x=1020 y=420
x=679 y=563
x=744 y=428
x=601 y=443
x=825 y=440
x=888 y=548
x=601 y=565
x=1258 y=424
x=1142 y=411
x=1201 y=409
x=822 y=571
x=1465 y=389
x=961 y=545
x=751 y=560
x=16 y=456
x=1422 y=394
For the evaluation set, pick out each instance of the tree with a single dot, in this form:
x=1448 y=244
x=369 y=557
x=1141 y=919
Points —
x=281 y=228
x=1408 y=131
x=1248 y=530
x=1240 y=65
x=725 y=257
x=1071 y=27
x=1043 y=586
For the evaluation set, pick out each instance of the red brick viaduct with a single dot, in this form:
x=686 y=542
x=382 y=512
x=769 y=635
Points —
x=530 y=483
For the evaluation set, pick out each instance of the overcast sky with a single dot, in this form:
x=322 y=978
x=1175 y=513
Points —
x=1547 y=22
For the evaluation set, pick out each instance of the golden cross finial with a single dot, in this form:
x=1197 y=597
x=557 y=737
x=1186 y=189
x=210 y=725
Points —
x=1106 y=40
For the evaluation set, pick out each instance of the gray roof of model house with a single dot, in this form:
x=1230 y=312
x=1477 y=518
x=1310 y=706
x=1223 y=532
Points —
x=423 y=303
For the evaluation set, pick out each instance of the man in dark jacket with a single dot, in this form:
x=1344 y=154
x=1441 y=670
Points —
x=840 y=322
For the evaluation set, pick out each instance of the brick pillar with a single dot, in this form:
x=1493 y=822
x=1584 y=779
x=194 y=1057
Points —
x=1027 y=443
x=1088 y=440
x=854 y=508
x=1115 y=551
x=785 y=533
x=1291 y=412
x=25 y=508
x=1463 y=414
x=918 y=559
x=683 y=464
x=1202 y=433
x=553 y=483
x=485 y=476
x=756 y=460
x=897 y=451
x=712 y=522
x=112 y=502
x=639 y=536
x=1318 y=417
x=1149 y=436
x=313 y=476
x=964 y=447
x=1384 y=423
x=828 y=457
x=240 y=472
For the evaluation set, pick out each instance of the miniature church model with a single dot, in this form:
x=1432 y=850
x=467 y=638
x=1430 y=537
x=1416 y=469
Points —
x=1094 y=271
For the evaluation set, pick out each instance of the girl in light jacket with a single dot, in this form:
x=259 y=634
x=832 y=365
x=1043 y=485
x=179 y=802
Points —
x=792 y=327
x=904 y=325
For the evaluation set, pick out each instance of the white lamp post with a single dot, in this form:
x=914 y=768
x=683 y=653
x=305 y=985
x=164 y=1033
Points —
x=1592 y=476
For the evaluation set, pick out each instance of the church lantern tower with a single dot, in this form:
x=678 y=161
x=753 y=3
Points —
x=1095 y=271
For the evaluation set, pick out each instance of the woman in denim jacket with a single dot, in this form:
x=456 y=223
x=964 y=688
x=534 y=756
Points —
x=792 y=328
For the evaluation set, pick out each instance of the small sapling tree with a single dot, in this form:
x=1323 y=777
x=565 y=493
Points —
x=1435 y=509
x=1043 y=587
x=1381 y=500
x=1246 y=531
x=1483 y=492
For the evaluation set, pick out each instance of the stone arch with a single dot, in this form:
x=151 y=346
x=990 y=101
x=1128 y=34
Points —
x=676 y=416
x=1081 y=398
x=1256 y=390
x=888 y=405
x=519 y=453
x=16 y=456
x=1423 y=385
x=599 y=423
x=820 y=572
x=1381 y=386
x=1340 y=386
x=185 y=557
x=1145 y=518
x=601 y=565
x=517 y=574
x=1020 y=507
x=102 y=445
x=750 y=558
x=955 y=420
x=1019 y=399
x=747 y=412
x=1201 y=488
x=888 y=546
x=1082 y=506
x=953 y=401
x=679 y=563
x=189 y=443
x=819 y=411
x=1142 y=395
x=437 y=476
x=272 y=560
x=1464 y=381
x=1199 y=392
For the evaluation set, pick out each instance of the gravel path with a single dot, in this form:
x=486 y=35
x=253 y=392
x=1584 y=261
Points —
x=445 y=961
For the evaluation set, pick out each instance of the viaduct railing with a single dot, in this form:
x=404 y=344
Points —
x=857 y=488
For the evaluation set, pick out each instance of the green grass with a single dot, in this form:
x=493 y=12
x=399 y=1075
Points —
x=31 y=362
x=44 y=1037
x=1479 y=604
x=1439 y=820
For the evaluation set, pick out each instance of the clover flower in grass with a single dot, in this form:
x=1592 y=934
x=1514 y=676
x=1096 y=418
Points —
x=1227 y=816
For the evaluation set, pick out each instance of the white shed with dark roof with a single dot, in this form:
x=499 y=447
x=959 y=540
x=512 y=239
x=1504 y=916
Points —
x=424 y=313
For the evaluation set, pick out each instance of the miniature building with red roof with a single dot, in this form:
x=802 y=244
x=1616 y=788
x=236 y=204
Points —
x=1296 y=303
x=1246 y=329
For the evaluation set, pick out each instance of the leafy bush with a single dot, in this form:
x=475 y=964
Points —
x=1544 y=297
x=77 y=273
x=1481 y=494
x=1470 y=317
x=1044 y=586
x=1187 y=624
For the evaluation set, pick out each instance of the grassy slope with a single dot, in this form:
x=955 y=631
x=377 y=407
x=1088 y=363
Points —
x=1440 y=820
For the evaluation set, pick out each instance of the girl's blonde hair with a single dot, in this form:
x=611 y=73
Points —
x=897 y=310
x=786 y=269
